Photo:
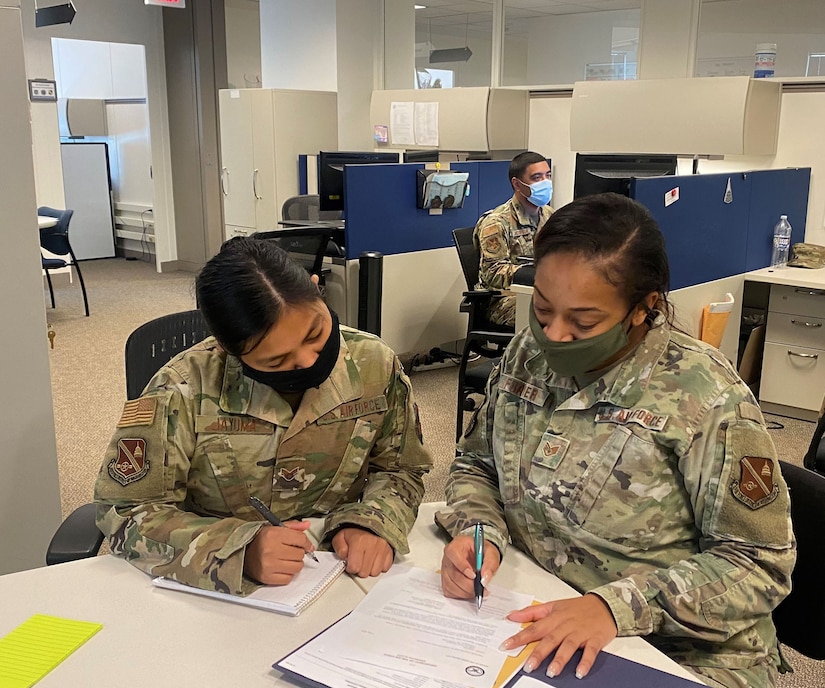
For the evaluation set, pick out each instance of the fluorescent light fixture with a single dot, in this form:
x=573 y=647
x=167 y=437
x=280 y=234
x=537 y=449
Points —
x=420 y=7
x=450 y=55
x=57 y=14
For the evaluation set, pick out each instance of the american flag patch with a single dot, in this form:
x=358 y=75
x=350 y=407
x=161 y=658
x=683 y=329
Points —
x=137 y=412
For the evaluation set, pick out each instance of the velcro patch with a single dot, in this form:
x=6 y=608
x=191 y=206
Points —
x=755 y=487
x=524 y=390
x=747 y=411
x=130 y=464
x=551 y=451
x=290 y=478
x=639 y=416
x=138 y=412
x=233 y=425
x=355 y=409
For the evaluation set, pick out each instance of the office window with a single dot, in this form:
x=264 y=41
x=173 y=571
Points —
x=453 y=43
x=730 y=31
x=548 y=43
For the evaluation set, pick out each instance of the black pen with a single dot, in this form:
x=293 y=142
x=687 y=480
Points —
x=264 y=511
x=478 y=542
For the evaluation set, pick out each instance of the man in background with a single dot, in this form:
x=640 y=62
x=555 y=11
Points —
x=505 y=234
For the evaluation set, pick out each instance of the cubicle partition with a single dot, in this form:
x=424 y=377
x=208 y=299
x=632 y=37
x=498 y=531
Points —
x=422 y=276
x=720 y=225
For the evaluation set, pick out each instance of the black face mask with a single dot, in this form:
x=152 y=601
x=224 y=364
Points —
x=302 y=379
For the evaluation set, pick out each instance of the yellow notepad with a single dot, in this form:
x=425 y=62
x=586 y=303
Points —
x=37 y=646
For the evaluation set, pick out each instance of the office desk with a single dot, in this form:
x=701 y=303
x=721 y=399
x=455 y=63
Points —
x=44 y=222
x=169 y=639
x=519 y=572
x=793 y=366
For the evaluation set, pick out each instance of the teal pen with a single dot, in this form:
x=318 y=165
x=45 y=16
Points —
x=264 y=511
x=478 y=542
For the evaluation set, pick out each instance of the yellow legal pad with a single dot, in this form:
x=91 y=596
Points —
x=37 y=646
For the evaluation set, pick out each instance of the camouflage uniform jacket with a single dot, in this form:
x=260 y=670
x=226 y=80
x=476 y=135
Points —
x=655 y=487
x=174 y=486
x=502 y=235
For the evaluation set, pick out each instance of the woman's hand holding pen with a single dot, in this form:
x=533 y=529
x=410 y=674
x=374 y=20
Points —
x=276 y=553
x=366 y=554
x=563 y=627
x=458 y=567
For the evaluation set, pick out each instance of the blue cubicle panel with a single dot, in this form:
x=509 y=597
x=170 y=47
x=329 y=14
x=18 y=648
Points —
x=705 y=237
x=708 y=239
x=382 y=214
x=775 y=193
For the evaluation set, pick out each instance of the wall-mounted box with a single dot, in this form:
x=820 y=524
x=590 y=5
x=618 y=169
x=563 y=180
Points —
x=693 y=116
x=469 y=119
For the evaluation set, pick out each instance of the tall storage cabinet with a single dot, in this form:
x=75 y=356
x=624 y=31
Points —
x=263 y=131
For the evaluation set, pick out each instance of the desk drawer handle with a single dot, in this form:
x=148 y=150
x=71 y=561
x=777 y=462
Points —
x=793 y=353
x=810 y=292
x=803 y=323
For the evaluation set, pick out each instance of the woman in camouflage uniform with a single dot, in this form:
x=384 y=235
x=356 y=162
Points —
x=281 y=404
x=628 y=459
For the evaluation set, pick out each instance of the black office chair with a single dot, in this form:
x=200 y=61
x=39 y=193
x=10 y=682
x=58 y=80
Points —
x=56 y=240
x=307 y=207
x=815 y=456
x=800 y=618
x=306 y=245
x=148 y=349
x=484 y=338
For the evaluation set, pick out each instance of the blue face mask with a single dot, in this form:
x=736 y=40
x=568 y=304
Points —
x=540 y=192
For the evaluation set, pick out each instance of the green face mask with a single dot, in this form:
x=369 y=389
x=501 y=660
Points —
x=570 y=359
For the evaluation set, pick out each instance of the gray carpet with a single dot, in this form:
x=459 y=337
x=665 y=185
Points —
x=88 y=387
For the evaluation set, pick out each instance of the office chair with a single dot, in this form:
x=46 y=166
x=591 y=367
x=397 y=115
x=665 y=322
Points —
x=815 y=456
x=147 y=350
x=800 y=618
x=481 y=332
x=306 y=245
x=56 y=240
x=307 y=207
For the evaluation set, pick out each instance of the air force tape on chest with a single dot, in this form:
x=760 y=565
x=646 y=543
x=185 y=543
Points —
x=637 y=416
x=524 y=390
x=355 y=409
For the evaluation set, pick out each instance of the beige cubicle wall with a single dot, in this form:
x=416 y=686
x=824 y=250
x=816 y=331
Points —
x=469 y=119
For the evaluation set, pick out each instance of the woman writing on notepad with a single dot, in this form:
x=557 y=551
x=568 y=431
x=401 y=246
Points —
x=629 y=460
x=280 y=404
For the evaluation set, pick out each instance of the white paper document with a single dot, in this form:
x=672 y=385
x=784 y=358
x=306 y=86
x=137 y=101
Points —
x=406 y=634
x=426 y=124
x=402 y=123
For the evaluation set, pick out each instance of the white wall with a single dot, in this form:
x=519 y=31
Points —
x=29 y=491
x=120 y=22
x=359 y=41
x=799 y=145
x=243 y=43
x=399 y=44
x=298 y=45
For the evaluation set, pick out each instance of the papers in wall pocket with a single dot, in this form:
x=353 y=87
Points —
x=442 y=189
x=714 y=320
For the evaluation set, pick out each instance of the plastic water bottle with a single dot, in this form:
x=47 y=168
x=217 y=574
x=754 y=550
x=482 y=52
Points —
x=781 y=242
x=765 y=62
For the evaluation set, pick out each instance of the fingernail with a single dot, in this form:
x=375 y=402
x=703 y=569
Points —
x=551 y=672
x=579 y=674
x=485 y=579
x=506 y=645
x=530 y=664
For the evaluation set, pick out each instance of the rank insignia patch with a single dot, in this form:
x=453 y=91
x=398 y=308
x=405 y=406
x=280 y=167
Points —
x=131 y=463
x=290 y=478
x=755 y=486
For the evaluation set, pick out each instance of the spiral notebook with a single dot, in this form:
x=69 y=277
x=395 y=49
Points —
x=292 y=599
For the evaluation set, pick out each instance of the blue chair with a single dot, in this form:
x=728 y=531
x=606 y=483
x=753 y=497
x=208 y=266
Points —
x=56 y=240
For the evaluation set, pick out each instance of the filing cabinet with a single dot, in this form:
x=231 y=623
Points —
x=793 y=370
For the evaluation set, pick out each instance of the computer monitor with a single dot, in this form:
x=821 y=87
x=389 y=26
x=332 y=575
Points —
x=421 y=156
x=603 y=173
x=331 y=173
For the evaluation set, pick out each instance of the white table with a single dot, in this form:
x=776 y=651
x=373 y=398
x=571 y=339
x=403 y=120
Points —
x=169 y=639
